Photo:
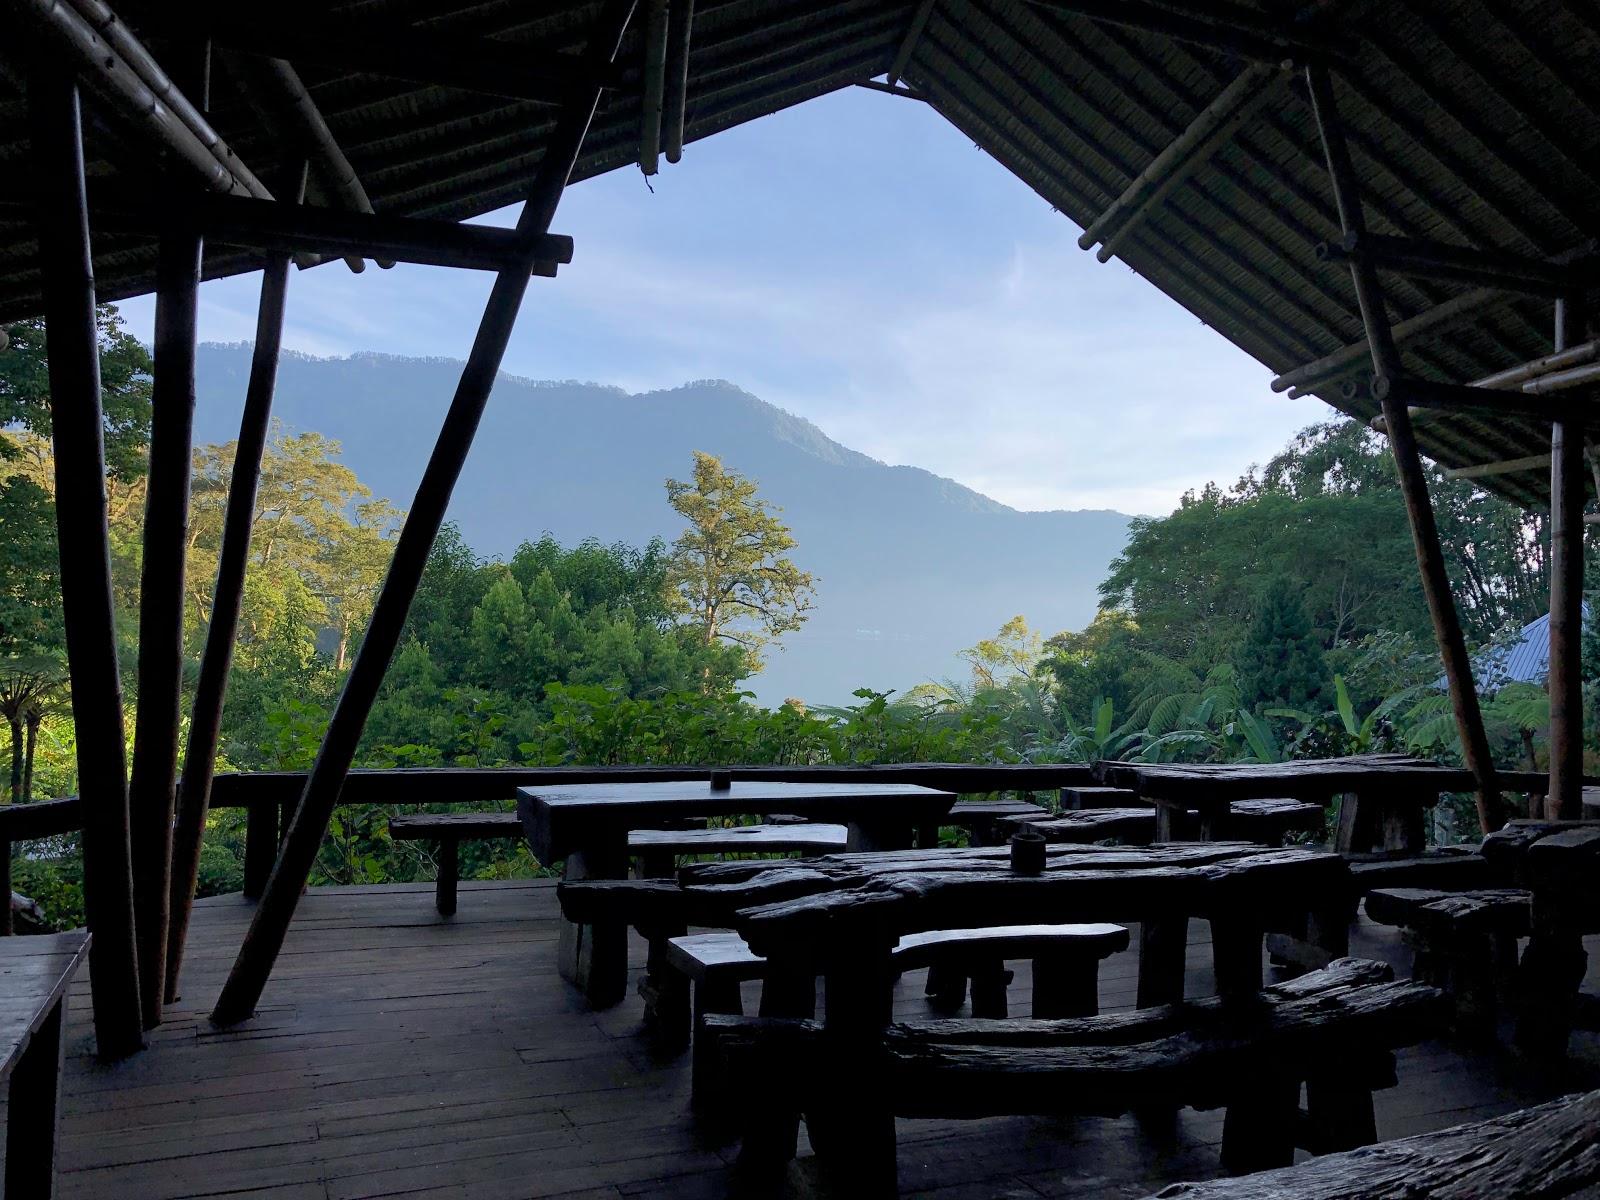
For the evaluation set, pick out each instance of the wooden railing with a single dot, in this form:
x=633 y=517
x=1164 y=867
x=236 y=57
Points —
x=264 y=794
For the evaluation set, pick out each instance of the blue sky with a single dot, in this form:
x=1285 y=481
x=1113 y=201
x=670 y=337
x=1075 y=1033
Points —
x=857 y=261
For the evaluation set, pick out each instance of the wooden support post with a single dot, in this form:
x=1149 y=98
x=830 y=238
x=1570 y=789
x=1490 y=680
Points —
x=81 y=522
x=262 y=943
x=152 y=787
x=216 y=660
x=675 y=105
x=1403 y=444
x=1568 y=491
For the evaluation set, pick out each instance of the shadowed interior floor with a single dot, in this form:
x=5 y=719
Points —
x=401 y=1053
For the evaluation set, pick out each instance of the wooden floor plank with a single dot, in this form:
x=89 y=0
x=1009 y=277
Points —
x=400 y=1053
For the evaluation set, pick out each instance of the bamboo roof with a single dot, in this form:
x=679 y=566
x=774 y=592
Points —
x=1471 y=122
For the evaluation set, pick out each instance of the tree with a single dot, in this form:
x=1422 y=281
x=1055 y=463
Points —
x=1010 y=655
x=730 y=571
x=29 y=689
x=1282 y=662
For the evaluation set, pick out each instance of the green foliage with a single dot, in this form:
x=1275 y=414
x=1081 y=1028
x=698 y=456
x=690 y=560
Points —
x=1281 y=662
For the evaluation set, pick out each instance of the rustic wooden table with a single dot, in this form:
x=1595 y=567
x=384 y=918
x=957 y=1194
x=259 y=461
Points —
x=585 y=826
x=35 y=973
x=1388 y=793
x=1559 y=862
x=840 y=916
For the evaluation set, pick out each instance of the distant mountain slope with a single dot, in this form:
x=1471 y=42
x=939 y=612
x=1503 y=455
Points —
x=911 y=566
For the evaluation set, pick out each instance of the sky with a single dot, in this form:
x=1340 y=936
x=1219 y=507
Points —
x=857 y=261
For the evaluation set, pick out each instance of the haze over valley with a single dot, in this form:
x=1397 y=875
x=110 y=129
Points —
x=910 y=567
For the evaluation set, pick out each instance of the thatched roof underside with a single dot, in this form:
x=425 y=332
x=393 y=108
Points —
x=1474 y=122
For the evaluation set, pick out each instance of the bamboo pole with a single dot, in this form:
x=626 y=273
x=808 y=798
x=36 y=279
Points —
x=1191 y=149
x=153 y=104
x=1568 y=492
x=162 y=589
x=908 y=44
x=1408 y=460
x=86 y=605
x=205 y=722
x=655 y=82
x=256 y=957
x=1349 y=359
x=680 y=29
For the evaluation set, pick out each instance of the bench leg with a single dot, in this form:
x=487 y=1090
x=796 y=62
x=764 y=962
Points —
x=1339 y=1103
x=946 y=988
x=1474 y=988
x=667 y=1012
x=1163 y=948
x=1258 y=1132
x=989 y=982
x=1548 y=980
x=594 y=958
x=708 y=1083
x=449 y=877
x=33 y=1115
x=656 y=864
x=1066 y=985
x=784 y=994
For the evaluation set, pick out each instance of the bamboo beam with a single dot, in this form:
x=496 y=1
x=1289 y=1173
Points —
x=1190 y=150
x=274 y=226
x=1349 y=359
x=655 y=82
x=1568 y=493
x=485 y=66
x=680 y=29
x=1462 y=264
x=908 y=44
x=256 y=957
x=1536 y=368
x=153 y=785
x=86 y=605
x=135 y=85
x=273 y=88
x=216 y=660
x=1457 y=397
x=877 y=85
x=1408 y=459
x=1212 y=24
x=1509 y=466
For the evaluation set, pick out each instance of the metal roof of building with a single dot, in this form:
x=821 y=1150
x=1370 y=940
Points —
x=1472 y=122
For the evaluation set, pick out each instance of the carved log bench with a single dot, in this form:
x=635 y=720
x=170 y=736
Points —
x=1265 y=822
x=1543 y=1151
x=1464 y=942
x=447 y=831
x=1333 y=1030
x=1066 y=975
x=984 y=820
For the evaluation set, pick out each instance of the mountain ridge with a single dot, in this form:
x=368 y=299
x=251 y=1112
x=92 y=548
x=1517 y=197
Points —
x=911 y=566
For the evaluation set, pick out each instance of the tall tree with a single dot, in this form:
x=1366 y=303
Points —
x=730 y=570
x=1282 y=660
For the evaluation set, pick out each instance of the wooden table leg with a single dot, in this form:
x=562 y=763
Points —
x=594 y=958
x=33 y=1115
x=1236 y=945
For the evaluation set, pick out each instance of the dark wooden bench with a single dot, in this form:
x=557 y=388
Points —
x=1464 y=942
x=985 y=820
x=1546 y=1151
x=1332 y=1030
x=35 y=973
x=655 y=848
x=1265 y=822
x=1066 y=974
x=1075 y=799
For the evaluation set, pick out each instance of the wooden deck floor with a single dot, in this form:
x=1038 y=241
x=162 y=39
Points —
x=399 y=1053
